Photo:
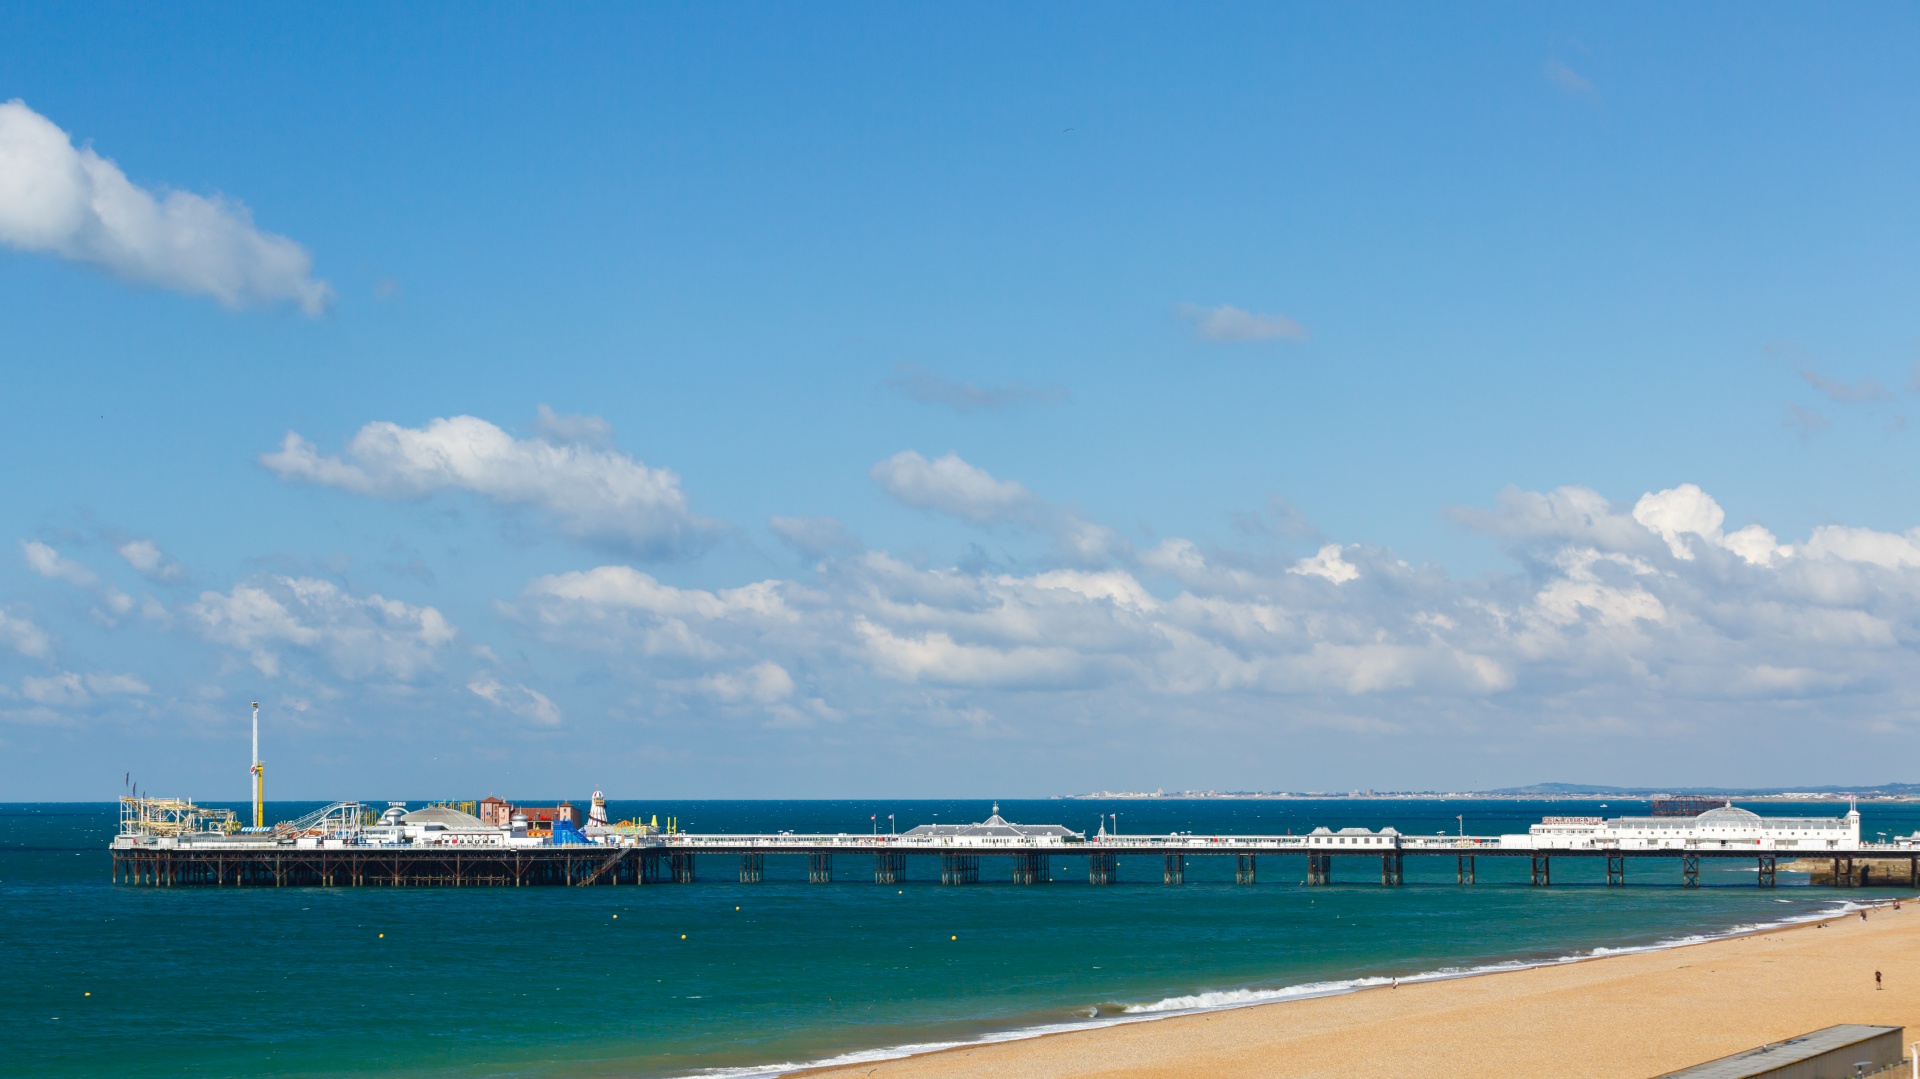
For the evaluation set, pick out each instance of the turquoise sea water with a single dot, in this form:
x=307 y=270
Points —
x=548 y=982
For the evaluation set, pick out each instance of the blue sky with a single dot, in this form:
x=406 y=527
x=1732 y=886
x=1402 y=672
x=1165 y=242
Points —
x=887 y=400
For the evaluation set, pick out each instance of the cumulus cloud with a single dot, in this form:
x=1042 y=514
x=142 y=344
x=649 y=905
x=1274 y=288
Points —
x=1229 y=324
x=1637 y=605
x=354 y=636
x=928 y=387
x=590 y=492
x=1685 y=515
x=953 y=486
x=71 y=202
x=1681 y=520
x=152 y=563
x=1327 y=565
x=523 y=701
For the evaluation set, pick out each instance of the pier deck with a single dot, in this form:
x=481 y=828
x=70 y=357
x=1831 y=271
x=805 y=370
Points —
x=264 y=861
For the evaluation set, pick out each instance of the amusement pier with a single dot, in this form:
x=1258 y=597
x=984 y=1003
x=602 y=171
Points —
x=174 y=842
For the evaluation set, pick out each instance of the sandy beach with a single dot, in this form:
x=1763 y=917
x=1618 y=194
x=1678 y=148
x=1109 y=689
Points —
x=1623 y=1016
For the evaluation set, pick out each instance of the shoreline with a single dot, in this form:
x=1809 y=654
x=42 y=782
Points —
x=1685 y=1003
x=915 y=1059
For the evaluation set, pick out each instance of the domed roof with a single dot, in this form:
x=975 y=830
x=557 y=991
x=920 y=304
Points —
x=1728 y=817
x=451 y=819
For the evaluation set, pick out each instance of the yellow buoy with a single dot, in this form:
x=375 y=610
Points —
x=383 y=936
x=683 y=936
x=86 y=994
x=956 y=937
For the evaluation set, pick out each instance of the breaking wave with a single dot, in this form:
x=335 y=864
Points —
x=1115 y=1014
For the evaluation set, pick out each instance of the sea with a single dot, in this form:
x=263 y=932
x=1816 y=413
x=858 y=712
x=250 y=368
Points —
x=718 y=978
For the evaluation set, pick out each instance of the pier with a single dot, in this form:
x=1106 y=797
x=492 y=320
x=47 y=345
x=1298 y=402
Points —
x=171 y=845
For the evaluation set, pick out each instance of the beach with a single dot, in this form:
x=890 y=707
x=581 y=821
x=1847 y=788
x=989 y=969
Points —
x=1633 y=1015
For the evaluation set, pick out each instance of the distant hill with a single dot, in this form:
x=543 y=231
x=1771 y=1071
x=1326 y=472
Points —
x=1538 y=790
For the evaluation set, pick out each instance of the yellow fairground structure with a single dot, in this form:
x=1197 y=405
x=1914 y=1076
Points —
x=259 y=771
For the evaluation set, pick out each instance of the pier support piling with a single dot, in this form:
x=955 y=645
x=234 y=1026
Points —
x=820 y=867
x=1765 y=877
x=1542 y=870
x=1102 y=869
x=1390 y=870
x=959 y=868
x=753 y=867
x=681 y=863
x=1616 y=870
x=1319 y=869
x=889 y=868
x=1463 y=870
x=1690 y=871
x=1032 y=869
x=1243 y=869
x=1176 y=869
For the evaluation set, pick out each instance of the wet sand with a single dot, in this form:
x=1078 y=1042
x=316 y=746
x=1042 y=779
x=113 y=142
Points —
x=1632 y=1016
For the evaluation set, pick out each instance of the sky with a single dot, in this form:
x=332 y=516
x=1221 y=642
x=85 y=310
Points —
x=895 y=400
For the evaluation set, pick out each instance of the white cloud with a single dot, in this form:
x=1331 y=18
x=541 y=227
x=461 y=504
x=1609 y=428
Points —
x=1577 y=514
x=1676 y=514
x=523 y=701
x=1885 y=549
x=951 y=485
x=117 y=685
x=145 y=556
x=1327 y=564
x=78 y=205
x=54 y=566
x=356 y=636
x=1229 y=324
x=19 y=633
x=591 y=493
x=1604 y=616
x=66 y=689
x=764 y=683
x=937 y=659
x=1686 y=514
x=56 y=690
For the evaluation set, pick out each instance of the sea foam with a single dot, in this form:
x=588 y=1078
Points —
x=1105 y=1015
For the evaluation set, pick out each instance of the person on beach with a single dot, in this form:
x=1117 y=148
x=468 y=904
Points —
x=1876 y=980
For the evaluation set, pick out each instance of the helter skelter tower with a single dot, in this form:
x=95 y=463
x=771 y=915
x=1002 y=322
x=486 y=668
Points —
x=259 y=773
